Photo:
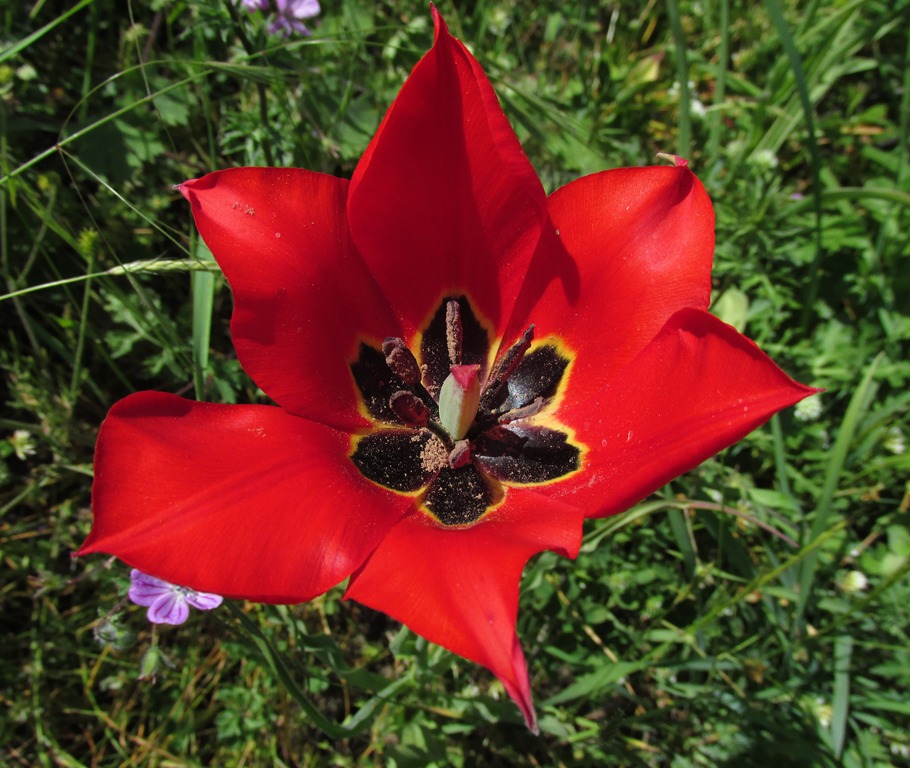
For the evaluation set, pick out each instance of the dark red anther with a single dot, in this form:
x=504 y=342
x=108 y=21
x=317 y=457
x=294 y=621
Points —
x=535 y=406
x=401 y=360
x=454 y=332
x=506 y=366
x=409 y=408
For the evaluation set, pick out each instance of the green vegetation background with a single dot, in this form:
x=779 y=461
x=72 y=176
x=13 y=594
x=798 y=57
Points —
x=753 y=613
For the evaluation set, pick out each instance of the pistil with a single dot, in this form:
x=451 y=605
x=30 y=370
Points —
x=459 y=399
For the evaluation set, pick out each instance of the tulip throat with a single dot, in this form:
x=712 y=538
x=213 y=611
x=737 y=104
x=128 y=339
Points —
x=454 y=431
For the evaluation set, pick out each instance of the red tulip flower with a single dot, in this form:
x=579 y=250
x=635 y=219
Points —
x=464 y=369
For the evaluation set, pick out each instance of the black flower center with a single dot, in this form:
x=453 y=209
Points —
x=456 y=477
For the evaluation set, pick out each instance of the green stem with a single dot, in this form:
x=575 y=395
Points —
x=682 y=74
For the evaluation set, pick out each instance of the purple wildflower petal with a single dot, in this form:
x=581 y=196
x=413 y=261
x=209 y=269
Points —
x=169 y=609
x=145 y=589
x=203 y=601
x=168 y=603
x=289 y=15
x=285 y=27
x=301 y=9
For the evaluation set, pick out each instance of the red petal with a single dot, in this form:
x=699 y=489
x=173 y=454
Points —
x=634 y=246
x=303 y=298
x=239 y=500
x=444 y=201
x=459 y=587
x=697 y=388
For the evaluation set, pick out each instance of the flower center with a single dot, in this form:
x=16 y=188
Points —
x=453 y=430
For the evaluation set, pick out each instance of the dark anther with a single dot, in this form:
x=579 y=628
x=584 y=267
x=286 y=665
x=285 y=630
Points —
x=524 y=412
x=460 y=454
x=401 y=360
x=454 y=332
x=505 y=366
x=409 y=408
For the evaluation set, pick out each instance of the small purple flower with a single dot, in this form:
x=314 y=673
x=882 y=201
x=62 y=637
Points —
x=289 y=14
x=168 y=603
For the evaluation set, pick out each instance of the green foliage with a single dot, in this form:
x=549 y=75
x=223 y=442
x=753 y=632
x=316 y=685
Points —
x=753 y=613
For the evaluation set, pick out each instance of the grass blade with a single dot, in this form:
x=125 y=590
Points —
x=25 y=42
x=682 y=74
x=843 y=652
x=859 y=403
x=802 y=88
x=203 y=287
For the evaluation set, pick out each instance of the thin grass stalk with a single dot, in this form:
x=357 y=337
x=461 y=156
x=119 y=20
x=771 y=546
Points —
x=859 y=404
x=781 y=471
x=83 y=329
x=260 y=87
x=684 y=540
x=720 y=84
x=840 y=704
x=25 y=42
x=203 y=289
x=682 y=74
x=353 y=724
x=90 y=46
x=44 y=154
x=130 y=268
x=903 y=163
x=884 y=194
x=802 y=87
x=606 y=677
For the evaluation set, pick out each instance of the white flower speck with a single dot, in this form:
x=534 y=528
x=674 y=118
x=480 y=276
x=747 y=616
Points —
x=809 y=409
x=895 y=442
x=23 y=445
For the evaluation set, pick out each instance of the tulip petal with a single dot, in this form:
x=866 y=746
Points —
x=444 y=201
x=697 y=388
x=241 y=501
x=634 y=245
x=303 y=298
x=458 y=587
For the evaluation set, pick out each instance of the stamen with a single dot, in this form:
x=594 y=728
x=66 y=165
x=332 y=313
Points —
x=401 y=360
x=409 y=408
x=505 y=367
x=454 y=332
x=524 y=412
